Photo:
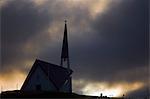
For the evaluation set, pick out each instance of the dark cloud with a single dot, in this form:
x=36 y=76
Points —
x=20 y=21
x=120 y=45
x=113 y=46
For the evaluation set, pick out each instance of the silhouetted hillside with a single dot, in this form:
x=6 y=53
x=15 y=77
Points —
x=40 y=94
x=45 y=94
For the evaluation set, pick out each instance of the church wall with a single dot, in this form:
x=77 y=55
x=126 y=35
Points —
x=39 y=78
x=67 y=87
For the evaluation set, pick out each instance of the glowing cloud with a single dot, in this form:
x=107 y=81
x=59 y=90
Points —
x=12 y=80
x=107 y=89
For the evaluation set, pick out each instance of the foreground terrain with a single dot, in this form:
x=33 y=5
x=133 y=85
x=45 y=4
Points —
x=45 y=94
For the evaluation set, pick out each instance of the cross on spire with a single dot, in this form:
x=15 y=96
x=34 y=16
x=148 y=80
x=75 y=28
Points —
x=65 y=21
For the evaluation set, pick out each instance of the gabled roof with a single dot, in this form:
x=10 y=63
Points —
x=56 y=74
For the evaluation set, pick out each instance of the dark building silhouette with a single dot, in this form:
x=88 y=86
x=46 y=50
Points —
x=45 y=76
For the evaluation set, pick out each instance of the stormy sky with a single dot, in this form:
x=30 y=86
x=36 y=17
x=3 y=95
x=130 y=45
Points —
x=108 y=42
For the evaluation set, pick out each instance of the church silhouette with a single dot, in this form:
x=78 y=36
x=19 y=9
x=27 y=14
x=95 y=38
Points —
x=45 y=76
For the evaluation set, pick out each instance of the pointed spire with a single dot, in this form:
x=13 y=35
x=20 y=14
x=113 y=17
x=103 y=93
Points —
x=65 y=51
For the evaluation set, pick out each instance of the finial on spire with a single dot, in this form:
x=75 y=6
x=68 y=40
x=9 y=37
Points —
x=65 y=21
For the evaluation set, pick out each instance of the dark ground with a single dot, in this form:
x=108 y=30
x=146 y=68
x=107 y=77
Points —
x=45 y=94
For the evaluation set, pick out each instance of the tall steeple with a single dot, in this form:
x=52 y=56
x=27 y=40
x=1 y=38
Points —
x=65 y=51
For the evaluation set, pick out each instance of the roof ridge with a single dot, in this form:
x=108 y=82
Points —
x=38 y=60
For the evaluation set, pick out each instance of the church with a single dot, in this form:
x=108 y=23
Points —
x=45 y=76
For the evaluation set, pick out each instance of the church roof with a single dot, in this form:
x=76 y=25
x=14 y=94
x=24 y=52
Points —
x=56 y=74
